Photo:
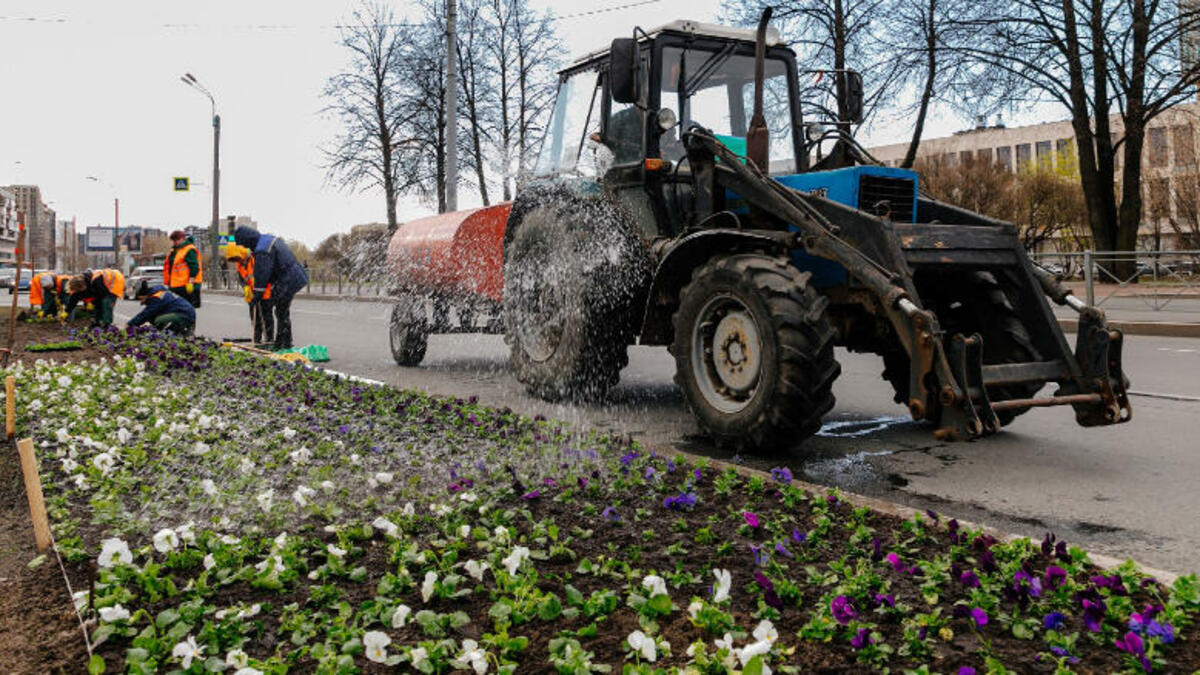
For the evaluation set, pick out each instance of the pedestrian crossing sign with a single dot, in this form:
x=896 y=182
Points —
x=181 y=184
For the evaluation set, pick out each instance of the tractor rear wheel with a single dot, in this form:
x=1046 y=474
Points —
x=572 y=273
x=754 y=352
x=409 y=330
x=979 y=305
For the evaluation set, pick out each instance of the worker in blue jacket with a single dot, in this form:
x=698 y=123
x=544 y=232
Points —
x=167 y=311
x=276 y=267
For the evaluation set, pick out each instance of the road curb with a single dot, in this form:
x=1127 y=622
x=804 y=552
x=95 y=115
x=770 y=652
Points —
x=1147 y=328
x=306 y=296
x=1101 y=560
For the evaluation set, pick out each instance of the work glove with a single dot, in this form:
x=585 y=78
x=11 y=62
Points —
x=62 y=314
x=89 y=306
x=248 y=293
x=190 y=287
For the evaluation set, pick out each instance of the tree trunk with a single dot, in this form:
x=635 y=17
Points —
x=927 y=93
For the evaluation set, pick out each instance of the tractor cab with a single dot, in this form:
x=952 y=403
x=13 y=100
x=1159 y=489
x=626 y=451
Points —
x=620 y=113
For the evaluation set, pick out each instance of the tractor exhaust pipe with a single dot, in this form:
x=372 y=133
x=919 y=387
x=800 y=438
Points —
x=758 y=138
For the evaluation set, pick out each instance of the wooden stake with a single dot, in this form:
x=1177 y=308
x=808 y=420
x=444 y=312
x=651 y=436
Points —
x=10 y=406
x=33 y=490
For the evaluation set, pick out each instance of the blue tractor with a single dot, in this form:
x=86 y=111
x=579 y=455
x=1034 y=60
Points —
x=681 y=199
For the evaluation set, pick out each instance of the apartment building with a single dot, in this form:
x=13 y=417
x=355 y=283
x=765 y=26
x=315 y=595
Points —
x=1170 y=165
x=8 y=227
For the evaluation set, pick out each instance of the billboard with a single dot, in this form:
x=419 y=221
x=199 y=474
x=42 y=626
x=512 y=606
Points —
x=99 y=239
x=131 y=239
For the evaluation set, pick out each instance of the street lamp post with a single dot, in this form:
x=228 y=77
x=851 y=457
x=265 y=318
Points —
x=116 y=221
x=191 y=81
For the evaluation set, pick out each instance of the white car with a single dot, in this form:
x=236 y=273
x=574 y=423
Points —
x=152 y=273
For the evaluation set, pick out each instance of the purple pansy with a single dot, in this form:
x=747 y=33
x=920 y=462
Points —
x=1053 y=620
x=966 y=670
x=531 y=495
x=1163 y=631
x=610 y=513
x=980 y=616
x=861 y=639
x=885 y=599
x=842 y=609
x=1055 y=576
x=751 y=519
x=782 y=550
x=969 y=579
x=760 y=556
x=1062 y=651
x=782 y=475
x=1131 y=644
x=769 y=595
x=1093 y=614
x=684 y=501
x=799 y=537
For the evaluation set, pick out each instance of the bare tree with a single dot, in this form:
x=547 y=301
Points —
x=477 y=98
x=364 y=98
x=1094 y=57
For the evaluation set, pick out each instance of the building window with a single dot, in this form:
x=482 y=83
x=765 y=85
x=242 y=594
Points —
x=1156 y=151
x=984 y=155
x=966 y=157
x=1024 y=158
x=1042 y=149
x=1185 y=145
x=1187 y=199
x=948 y=159
x=1158 y=198
x=1004 y=157
x=1064 y=155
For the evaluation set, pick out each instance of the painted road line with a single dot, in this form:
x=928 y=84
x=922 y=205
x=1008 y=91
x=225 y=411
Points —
x=1178 y=351
x=1168 y=397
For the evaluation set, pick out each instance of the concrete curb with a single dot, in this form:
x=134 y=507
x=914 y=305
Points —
x=1148 y=328
x=905 y=512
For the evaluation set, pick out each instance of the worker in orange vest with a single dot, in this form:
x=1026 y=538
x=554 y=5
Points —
x=182 y=272
x=260 y=308
x=104 y=287
x=43 y=299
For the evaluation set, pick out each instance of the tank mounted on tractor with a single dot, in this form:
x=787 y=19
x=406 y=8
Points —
x=681 y=199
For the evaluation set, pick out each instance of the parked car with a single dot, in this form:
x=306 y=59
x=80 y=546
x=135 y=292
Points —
x=24 y=283
x=7 y=276
x=151 y=273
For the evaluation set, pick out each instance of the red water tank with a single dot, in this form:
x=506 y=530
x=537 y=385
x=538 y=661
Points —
x=457 y=255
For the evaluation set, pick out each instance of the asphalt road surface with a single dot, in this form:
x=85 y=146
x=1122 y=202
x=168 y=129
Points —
x=1128 y=491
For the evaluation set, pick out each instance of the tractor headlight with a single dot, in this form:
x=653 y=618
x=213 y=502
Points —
x=667 y=119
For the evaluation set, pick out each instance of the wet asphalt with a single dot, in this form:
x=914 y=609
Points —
x=1131 y=490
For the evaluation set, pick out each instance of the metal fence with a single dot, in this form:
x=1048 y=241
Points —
x=319 y=283
x=1155 y=277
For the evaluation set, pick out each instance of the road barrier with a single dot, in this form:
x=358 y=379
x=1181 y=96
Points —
x=1155 y=277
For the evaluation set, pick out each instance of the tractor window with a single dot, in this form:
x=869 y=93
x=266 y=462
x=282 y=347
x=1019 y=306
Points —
x=719 y=95
x=576 y=116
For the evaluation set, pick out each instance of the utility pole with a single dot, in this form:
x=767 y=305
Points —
x=216 y=204
x=116 y=233
x=451 y=107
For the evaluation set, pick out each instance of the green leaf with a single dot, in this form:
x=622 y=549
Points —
x=550 y=608
x=352 y=646
x=500 y=610
x=755 y=667
x=574 y=597
x=96 y=665
x=1021 y=631
x=661 y=604
x=36 y=562
x=358 y=574
x=458 y=619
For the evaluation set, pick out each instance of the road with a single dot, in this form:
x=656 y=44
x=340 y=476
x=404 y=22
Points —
x=1127 y=491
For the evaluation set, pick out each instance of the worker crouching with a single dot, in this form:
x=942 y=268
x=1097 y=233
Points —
x=104 y=287
x=43 y=294
x=163 y=309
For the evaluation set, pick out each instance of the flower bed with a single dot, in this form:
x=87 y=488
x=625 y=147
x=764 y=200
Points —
x=256 y=516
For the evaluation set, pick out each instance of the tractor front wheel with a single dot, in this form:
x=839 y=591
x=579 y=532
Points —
x=754 y=352
x=409 y=331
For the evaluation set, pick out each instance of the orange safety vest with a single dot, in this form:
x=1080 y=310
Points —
x=175 y=271
x=35 y=288
x=114 y=281
x=245 y=270
x=60 y=283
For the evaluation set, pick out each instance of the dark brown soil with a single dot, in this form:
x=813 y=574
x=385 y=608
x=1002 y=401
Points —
x=39 y=631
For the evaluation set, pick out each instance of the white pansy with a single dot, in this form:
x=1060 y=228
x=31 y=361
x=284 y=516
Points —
x=400 y=616
x=468 y=497
x=63 y=436
x=644 y=645
x=336 y=551
x=721 y=588
x=186 y=651
x=123 y=435
x=384 y=477
x=355 y=459
x=281 y=539
x=418 y=656
x=654 y=584
x=288 y=433
x=114 y=613
x=513 y=562
x=752 y=650
x=386 y=526
x=80 y=480
x=694 y=608
x=201 y=448
x=187 y=532
x=113 y=552
x=327 y=485
x=724 y=642
x=476 y=569
x=301 y=495
x=69 y=465
x=104 y=462
x=300 y=456
x=500 y=533
x=209 y=562
x=409 y=510
x=64 y=381
x=464 y=531
x=237 y=658
x=249 y=612
x=427 y=586
x=264 y=499
x=375 y=644
x=248 y=671
x=472 y=656
x=246 y=466
x=765 y=630
x=165 y=540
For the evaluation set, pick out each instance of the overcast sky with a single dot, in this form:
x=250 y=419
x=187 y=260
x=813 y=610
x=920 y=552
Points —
x=93 y=89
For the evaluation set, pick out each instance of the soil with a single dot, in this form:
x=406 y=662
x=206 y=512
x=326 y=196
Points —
x=39 y=630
